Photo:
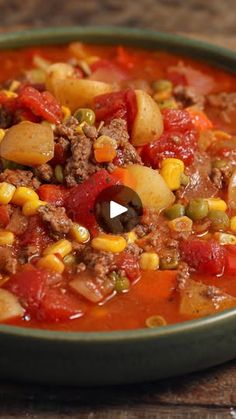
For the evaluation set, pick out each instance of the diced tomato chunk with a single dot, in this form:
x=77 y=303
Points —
x=128 y=263
x=204 y=256
x=81 y=199
x=42 y=104
x=36 y=234
x=230 y=259
x=4 y=215
x=29 y=285
x=53 y=194
x=120 y=104
x=58 y=306
x=60 y=155
x=179 y=140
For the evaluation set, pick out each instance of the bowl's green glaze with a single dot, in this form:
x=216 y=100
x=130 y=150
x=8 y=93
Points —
x=129 y=356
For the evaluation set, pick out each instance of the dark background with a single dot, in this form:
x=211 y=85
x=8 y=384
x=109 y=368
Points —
x=210 y=394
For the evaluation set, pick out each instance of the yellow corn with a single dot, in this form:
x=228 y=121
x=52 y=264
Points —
x=181 y=224
x=10 y=94
x=221 y=135
x=224 y=238
x=14 y=85
x=24 y=194
x=131 y=237
x=105 y=140
x=79 y=128
x=31 y=207
x=233 y=224
x=63 y=247
x=149 y=260
x=216 y=204
x=160 y=96
x=66 y=112
x=6 y=237
x=79 y=233
x=2 y=134
x=6 y=192
x=51 y=263
x=109 y=243
x=171 y=171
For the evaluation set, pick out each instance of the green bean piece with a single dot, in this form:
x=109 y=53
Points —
x=122 y=284
x=197 y=209
x=161 y=85
x=7 y=164
x=177 y=210
x=168 y=263
x=155 y=321
x=219 y=220
x=58 y=172
x=85 y=115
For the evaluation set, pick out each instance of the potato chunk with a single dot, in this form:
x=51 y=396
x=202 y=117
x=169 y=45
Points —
x=78 y=93
x=148 y=123
x=9 y=306
x=151 y=187
x=28 y=143
x=198 y=300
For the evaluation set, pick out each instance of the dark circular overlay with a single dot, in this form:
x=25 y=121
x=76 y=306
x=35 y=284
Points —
x=121 y=195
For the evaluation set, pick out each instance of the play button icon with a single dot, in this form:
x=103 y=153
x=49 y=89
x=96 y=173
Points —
x=118 y=209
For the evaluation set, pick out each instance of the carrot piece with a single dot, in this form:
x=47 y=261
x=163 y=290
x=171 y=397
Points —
x=125 y=177
x=199 y=119
x=156 y=285
x=104 y=154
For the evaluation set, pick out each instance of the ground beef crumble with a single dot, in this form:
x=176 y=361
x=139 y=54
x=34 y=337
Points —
x=19 y=178
x=8 y=262
x=225 y=103
x=183 y=275
x=187 y=96
x=98 y=261
x=44 y=173
x=56 y=218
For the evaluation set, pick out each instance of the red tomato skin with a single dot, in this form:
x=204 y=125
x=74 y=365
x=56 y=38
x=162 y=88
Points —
x=177 y=125
x=128 y=263
x=36 y=234
x=42 y=104
x=29 y=286
x=58 y=306
x=81 y=199
x=230 y=259
x=4 y=215
x=206 y=257
x=53 y=194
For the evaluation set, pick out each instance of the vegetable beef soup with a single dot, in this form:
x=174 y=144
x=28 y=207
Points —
x=77 y=119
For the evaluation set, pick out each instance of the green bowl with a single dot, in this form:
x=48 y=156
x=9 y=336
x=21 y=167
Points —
x=89 y=358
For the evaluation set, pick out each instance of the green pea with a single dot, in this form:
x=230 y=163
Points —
x=155 y=321
x=219 y=220
x=58 y=172
x=197 y=209
x=184 y=179
x=219 y=164
x=168 y=104
x=177 y=210
x=168 y=262
x=85 y=115
x=70 y=259
x=122 y=284
x=161 y=85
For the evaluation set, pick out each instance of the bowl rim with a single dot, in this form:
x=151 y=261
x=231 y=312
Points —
x=211 y=53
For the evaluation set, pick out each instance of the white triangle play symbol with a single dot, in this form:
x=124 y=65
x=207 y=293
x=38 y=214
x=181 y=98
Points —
x=116 y=209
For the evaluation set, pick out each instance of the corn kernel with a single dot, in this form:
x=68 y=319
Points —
x=31 y=207
x=224 y=238
x=109 y=243
x=2 y=134
x=62 y=247
x=66 y=112
x=181 y=224
x=6 y=192
x=171 y=171
x=216 y=204
x=105 y=140
x=160 y=96
x=6 y=237
x=10 y=94
x=131 y=237
x=23 y=195
x=233 y=224
x=14 y=85
x=79 y=128
x=79 y=233
x=51 y=263
x=149 y=260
